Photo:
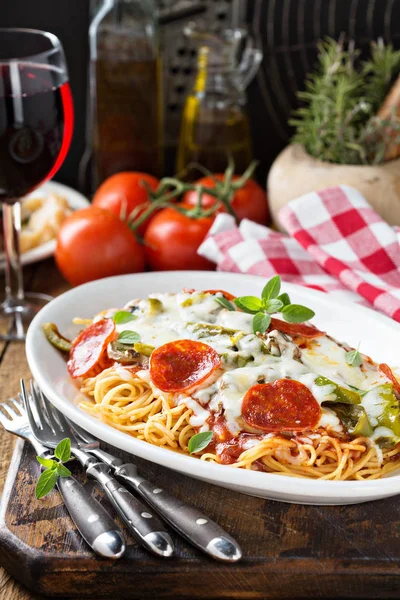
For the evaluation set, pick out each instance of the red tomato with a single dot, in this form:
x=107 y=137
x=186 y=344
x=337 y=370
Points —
x=94 y=243
x=250 y=202
x=123 y=192
x=172 y=239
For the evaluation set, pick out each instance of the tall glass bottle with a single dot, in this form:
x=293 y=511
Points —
x=215 y=125
x=125 y=87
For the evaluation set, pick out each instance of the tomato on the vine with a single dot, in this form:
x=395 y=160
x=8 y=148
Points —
x=93 y=243
x=248 y=202
x=123 y=192
x=172 y=239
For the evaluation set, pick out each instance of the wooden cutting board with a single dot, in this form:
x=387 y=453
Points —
x=290 y=551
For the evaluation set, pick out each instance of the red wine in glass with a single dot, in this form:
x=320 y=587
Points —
x=36 y=124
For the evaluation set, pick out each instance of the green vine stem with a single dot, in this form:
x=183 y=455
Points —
x=171 y=189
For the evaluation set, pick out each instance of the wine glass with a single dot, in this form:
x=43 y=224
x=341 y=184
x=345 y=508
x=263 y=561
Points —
x=36 y=124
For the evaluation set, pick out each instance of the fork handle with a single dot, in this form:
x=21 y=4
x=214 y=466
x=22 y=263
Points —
x=93 y=522
x=191 y=523
x=148 y=530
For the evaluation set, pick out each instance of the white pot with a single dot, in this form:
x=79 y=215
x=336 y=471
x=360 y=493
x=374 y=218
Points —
x=294 y=173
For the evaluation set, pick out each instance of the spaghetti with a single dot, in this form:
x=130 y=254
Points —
x=174 y=368
x=126 y=402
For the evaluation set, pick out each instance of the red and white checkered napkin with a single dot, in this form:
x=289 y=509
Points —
x=338 y=244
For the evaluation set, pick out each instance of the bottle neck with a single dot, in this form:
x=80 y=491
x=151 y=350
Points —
x=123 y=27
x=216 y=72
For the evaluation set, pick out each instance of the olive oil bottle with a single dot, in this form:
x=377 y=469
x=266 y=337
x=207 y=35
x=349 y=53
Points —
x=215 y=126
x=125 y=89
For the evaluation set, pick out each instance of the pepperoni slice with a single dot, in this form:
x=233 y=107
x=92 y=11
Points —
x=283 y=405
x=89 y=348
x=225 y=294
x=294 y=329
x=180 y=365
x=390 y=375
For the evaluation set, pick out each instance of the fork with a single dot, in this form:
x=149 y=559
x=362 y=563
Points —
x=91 y=519
x=50 y=427
x=189 y=522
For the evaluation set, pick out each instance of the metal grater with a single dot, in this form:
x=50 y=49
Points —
x=179 y=55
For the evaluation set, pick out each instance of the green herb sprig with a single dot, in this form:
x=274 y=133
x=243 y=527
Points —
x=224 y=302
x=354 y=358
x=337 y=119
x=123 y=316
x=272 y=301
x=128 y=337
x=53 y=468
x=199 y=441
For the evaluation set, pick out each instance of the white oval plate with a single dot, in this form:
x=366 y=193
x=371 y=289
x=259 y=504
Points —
x=75 y=200
x=378 y=334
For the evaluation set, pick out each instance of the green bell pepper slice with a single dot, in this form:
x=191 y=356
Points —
x=354 y=418
x=390 y=408
x=342 y=394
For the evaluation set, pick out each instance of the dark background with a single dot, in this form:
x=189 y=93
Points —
x=287 y=30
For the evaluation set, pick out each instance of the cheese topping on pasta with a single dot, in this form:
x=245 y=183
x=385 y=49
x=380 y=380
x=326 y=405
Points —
x=287 y=401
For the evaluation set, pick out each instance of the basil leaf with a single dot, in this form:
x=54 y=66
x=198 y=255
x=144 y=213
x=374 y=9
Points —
x=62 y=471
x=46 y=482
x=49 y=463
x=123 y=316
x=272 y=288
x=296 y=313
x=249 y=304
x=128 y=337
x=63 y=450
x=261 y=322
x=199 y=441
x=224 y=302
x=284 y=298
x=354 y=358
x=272 y=306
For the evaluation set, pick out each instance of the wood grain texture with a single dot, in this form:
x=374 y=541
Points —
x=41 y=277
x=290 y=551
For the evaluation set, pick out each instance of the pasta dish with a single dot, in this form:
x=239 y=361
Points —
x=201 y=372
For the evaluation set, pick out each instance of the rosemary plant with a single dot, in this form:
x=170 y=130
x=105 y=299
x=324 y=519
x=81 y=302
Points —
x=337 y=120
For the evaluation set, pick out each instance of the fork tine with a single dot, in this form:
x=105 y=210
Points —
x=27 y=405
x=44 y=404
x=56 y=419
x=5 y=415
x=14 y=407
x=19 y=401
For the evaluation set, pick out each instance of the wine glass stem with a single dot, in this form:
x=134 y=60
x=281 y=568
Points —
x=12 y=228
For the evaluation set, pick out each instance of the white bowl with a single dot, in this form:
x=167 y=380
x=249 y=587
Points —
x=379 y=337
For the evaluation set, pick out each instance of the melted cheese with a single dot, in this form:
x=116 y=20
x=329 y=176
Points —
x=328 y=358
x=372 y=402
x=247 y=359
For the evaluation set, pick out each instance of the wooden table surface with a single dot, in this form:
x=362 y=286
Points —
x=41 y=277
x=330 y=552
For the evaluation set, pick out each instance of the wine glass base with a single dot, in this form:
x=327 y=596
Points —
x=15 y=318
